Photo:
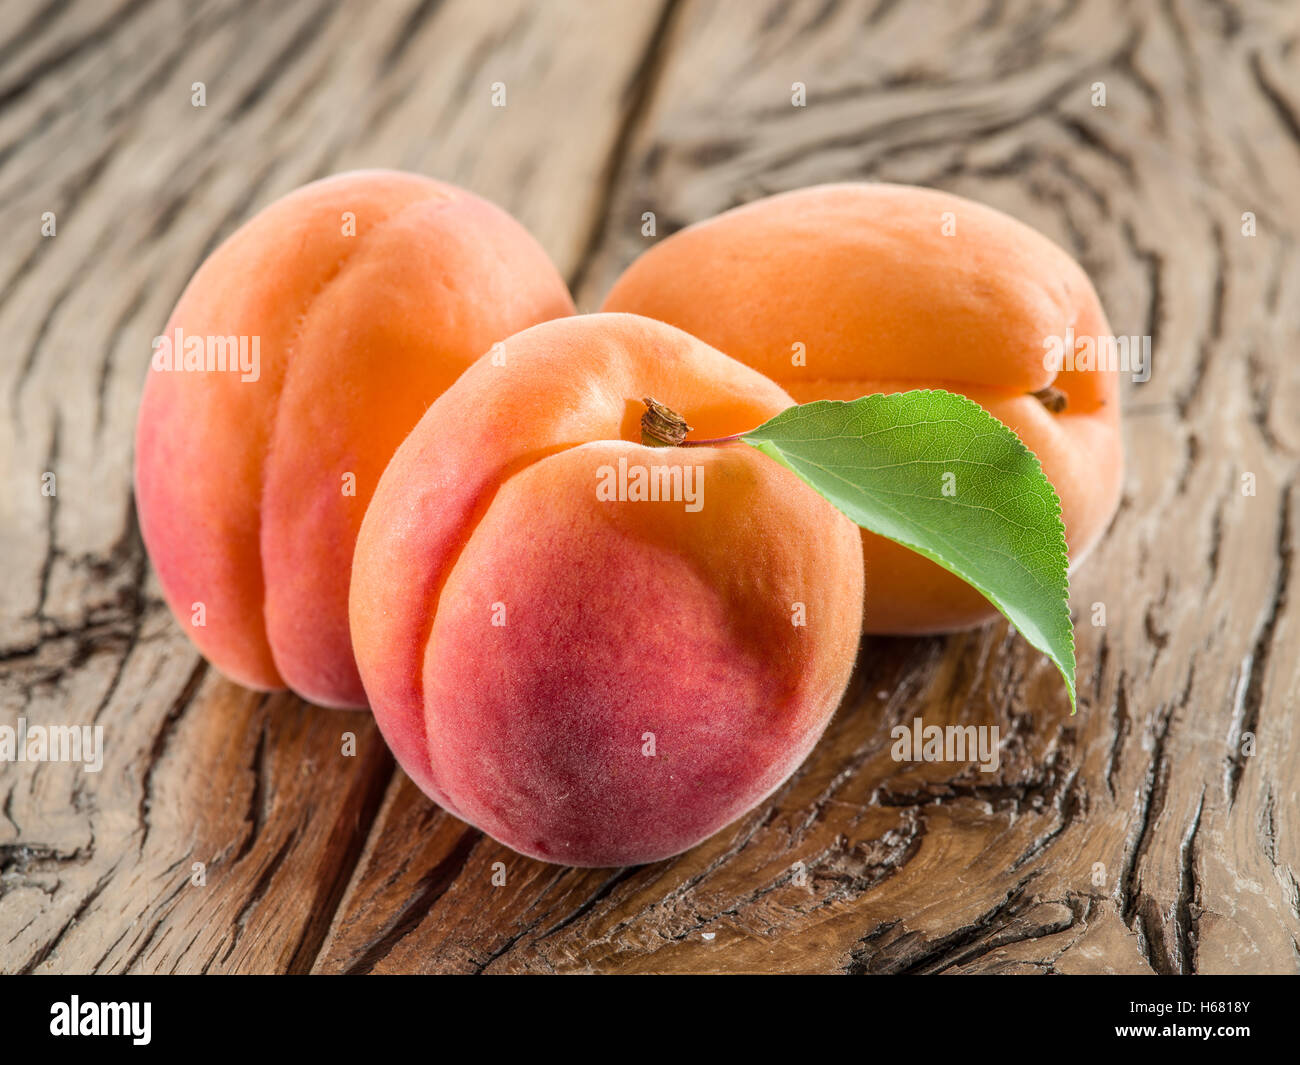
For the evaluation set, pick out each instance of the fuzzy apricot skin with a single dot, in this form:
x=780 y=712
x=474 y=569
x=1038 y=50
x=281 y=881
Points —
x=884 y=300
x=240 y=485
x=523 y=642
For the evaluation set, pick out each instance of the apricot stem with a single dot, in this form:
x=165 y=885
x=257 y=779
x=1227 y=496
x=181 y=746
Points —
x=710 y=443
x=662 y=426
x=1052 y=398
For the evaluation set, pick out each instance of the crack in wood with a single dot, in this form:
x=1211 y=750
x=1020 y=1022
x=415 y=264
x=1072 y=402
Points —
x=1255 y=667
x=637 y=98
x=911 y=952
x=1187 y=909
x=427 y=892
x=184 y=699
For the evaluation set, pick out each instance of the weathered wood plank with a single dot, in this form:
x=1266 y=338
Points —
x=97 y=126
x=1135 y=837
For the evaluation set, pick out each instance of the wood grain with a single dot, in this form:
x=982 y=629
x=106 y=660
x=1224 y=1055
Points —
x=1156 y=831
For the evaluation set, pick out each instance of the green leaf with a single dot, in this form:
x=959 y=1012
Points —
x=937 y=473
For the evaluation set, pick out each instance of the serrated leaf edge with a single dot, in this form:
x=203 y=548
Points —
x=754 y=440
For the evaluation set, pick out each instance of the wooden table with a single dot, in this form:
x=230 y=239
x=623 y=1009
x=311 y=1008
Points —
x=1157 y=830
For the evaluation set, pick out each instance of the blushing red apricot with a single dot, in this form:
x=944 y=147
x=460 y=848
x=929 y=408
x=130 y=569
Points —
x=889 y=288
x=368 y=293
x=596 y=680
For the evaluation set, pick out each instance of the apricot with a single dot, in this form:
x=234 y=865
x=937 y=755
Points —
x=592 y=675
x=354 y=302
x=841 y=291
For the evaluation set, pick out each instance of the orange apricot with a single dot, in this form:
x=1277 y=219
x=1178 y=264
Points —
x=840 y=291
x=299 y=356
x=597 y=651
